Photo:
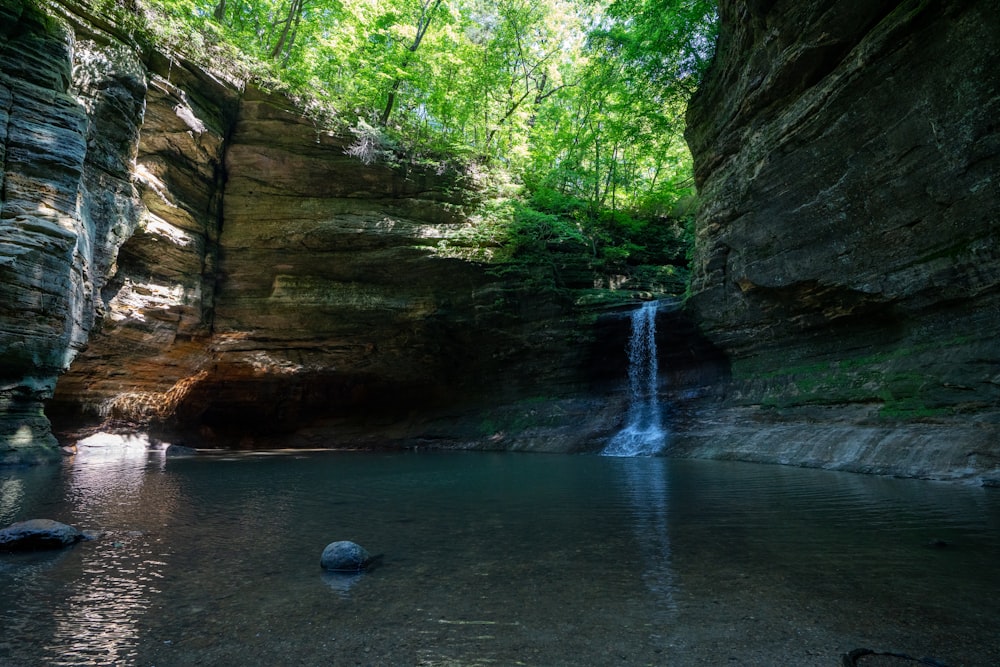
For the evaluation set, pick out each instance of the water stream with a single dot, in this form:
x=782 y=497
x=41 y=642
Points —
x=643 y=434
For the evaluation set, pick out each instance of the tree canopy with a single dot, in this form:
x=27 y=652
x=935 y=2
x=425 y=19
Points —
x=581 y=101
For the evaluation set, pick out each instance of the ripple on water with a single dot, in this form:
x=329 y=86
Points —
x=498 y=559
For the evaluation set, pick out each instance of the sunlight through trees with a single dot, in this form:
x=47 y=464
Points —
x=581 y=101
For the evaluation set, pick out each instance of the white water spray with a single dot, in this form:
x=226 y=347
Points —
x=643 y=434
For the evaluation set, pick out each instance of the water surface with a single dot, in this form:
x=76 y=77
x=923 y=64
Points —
x=494 y=559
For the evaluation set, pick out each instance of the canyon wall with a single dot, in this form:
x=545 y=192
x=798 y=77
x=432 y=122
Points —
x=198 y=259
x=848 y=247
x=67 y=203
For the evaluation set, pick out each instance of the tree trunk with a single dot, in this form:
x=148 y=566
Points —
x=424 y=22
x=390 y=103
x=294 y=12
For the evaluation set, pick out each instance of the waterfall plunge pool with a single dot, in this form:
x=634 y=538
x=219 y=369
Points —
x=494 y=559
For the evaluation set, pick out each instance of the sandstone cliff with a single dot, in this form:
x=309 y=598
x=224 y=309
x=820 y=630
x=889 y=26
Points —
x=68 y=201
x=848 y=250
x=197 y=258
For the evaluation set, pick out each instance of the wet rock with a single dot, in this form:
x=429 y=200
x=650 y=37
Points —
x=39 y=534
x=345 y=556
x=173 y=451
x=864 y=657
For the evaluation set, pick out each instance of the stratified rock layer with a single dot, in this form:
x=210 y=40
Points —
x=210 y=266
x=69 y=117
x=310 y=304
x=848 y=248
x=230 y=276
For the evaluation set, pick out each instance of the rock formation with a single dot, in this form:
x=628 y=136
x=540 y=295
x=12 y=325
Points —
x=345 y=556
x=209 y=265
x=198 y=259
x=68 y=202
x=38 y=535
x=848 y=250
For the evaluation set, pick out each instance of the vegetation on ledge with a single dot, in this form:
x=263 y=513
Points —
x=575 y=106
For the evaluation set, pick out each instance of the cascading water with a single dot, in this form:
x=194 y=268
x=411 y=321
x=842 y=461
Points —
x=643 y=434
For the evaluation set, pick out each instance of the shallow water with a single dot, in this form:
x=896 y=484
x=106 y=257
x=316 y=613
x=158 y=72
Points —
x=494 y=559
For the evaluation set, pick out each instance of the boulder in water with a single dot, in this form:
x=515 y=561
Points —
x=38 y=534
x=345 y=556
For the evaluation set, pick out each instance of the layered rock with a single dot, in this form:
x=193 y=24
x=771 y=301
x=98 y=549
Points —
x=848 y=250
x=69 y=117
x=156 y=313
x=315 y=307
x=251 y=284
x=212 y=266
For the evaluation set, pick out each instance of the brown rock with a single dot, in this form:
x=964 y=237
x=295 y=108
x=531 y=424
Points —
x=210 y=266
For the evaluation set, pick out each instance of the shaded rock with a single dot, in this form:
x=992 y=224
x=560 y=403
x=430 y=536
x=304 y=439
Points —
x=38 y=534
x=212 y=267
x=69 y=119
x=314 y=306
x=847 y=255
x=345 y=556
x=847 y=200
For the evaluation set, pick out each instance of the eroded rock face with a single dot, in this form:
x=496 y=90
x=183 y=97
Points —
x=211 y=267
x=157 y=307
x=69 y=117
x=848 y=250
x=310 y=304
x=273 y=291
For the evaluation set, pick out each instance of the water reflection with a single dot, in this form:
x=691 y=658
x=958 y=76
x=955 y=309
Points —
x=646 y=485
x=501 y=558
x=342 y=582
x=11 y=497
x=115 y=579
x=109 y=468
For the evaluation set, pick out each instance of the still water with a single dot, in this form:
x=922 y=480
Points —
x=494 y=559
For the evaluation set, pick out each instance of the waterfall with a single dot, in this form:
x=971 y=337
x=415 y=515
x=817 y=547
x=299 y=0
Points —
x=643 y=434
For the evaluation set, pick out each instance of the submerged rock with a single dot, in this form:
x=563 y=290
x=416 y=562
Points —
x=862 y=657
x=340 y=582
x=179 y=450
x=39 y=534
x=345 y=556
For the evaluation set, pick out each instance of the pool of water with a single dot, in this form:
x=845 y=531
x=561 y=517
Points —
x=494 y=559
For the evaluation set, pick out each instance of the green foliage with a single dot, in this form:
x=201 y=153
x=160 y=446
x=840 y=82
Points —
x=371 y=144
x=581 y=102
x=534 y=233
x=669 y=42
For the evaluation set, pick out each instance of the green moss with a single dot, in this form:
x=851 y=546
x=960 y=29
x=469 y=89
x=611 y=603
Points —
x=489 y=427
x=911 y=410
x=900 y=379
x=521 y=415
